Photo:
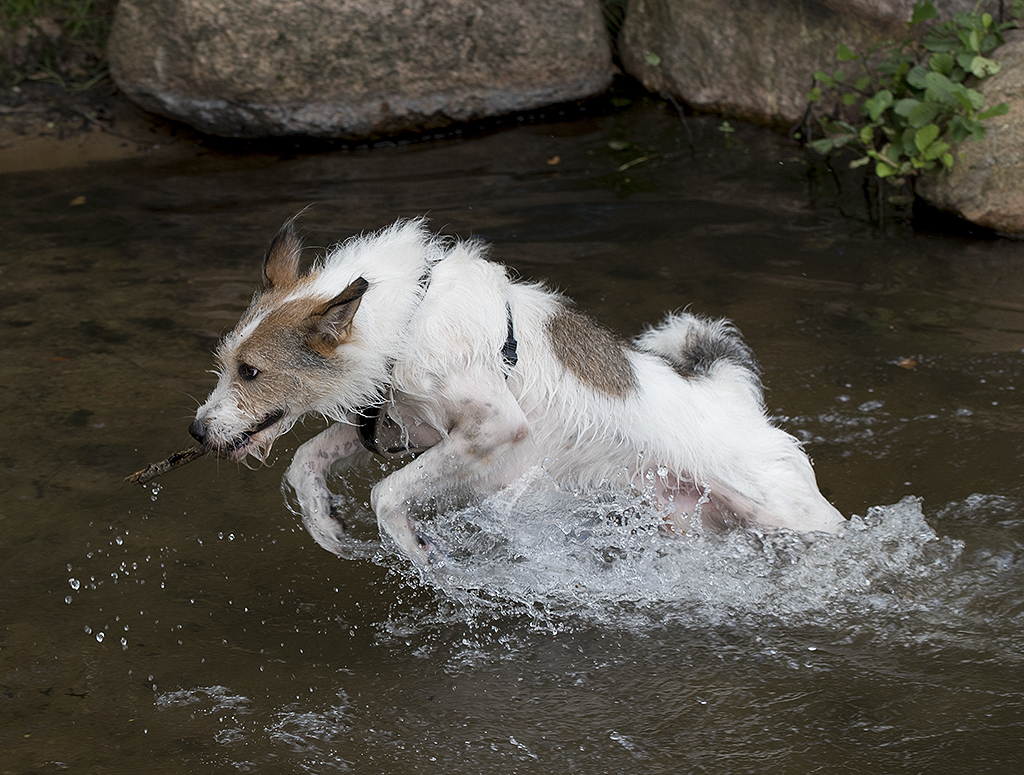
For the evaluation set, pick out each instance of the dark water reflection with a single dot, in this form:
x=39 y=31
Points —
x=196 y=626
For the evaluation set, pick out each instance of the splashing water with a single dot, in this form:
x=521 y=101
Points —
x=560 y=559
x=540 y=545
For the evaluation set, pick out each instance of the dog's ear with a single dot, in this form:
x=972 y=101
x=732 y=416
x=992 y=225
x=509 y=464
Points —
x=281 y=264
x=332 y=323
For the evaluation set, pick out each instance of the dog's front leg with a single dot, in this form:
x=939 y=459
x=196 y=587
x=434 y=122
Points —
x=307 y=476
x=473 y=454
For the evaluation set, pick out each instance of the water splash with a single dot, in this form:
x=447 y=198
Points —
x=561 y=559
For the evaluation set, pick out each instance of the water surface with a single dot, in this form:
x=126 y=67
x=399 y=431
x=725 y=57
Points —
x=193 y=625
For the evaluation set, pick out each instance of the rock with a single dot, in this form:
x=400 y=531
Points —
x=354 y=68
x=986 y=184
x=748 y=59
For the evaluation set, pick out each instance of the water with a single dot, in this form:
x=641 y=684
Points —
x=193 y=625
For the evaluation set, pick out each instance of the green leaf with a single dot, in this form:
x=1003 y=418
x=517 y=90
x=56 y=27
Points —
x=991 y=41
x=867 y=134
x=904 y=106
x=998 y=110
x=845 y=55
x=850 y=99
x=877 y=104
x=840 y=140
x=964 y=60
x=860 y=162
x=823 y=146
x=916 y=77
x=941 y=89
x=926 y=136
x=976 y=99
x=863 y=82
x=959 y=130
x=947 y=160
x=653 y=60
x=933 y=80
x=923 y=113
x=883 y=170
x=923 y=10
x=974 y=40
x=941 y=63
x=935 y=150
x=907 y=141
x=982 y=67
x=814 y=95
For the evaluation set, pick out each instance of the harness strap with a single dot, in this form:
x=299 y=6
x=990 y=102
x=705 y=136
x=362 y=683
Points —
x=370 y=416
x=509 y=350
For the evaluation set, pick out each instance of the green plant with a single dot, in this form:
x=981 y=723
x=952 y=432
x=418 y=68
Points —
x=910 y=103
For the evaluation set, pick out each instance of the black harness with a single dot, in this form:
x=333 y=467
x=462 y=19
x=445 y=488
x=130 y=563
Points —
x=373 y=420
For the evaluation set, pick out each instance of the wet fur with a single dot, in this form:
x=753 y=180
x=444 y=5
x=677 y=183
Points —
x=418 y=326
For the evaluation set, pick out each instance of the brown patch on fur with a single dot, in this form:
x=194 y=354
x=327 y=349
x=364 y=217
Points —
x=331 y=325
x=595 y=355
x=321 y=325
x=281 y=264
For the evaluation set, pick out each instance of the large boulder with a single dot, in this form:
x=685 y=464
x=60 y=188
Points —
x=748 y=58
x=354 y=68
x=986 y=184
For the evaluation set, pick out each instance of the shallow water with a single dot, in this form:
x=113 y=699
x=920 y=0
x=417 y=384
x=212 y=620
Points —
x=194 y=625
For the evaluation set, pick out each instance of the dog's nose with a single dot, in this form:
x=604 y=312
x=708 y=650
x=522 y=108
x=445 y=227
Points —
x=198 y=430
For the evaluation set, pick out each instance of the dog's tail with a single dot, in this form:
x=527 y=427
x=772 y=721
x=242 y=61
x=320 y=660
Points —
x=695 y=345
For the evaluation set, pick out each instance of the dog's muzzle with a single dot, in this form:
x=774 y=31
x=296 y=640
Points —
x=200 y=431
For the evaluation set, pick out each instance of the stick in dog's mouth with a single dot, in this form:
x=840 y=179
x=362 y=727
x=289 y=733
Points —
x=178 y=459
x=243 y=440
x=147 y=474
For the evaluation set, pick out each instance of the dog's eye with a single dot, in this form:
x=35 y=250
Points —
x=247 y=372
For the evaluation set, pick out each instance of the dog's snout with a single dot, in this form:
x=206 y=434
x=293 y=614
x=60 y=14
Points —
x=198 y=430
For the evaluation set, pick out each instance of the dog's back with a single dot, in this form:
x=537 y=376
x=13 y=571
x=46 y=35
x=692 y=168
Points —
x=684 y=398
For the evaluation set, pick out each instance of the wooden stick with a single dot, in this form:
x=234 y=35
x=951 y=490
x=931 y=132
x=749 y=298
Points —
x=174 y=461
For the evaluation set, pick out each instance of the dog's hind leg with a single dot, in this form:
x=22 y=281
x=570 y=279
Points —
x=307 y=477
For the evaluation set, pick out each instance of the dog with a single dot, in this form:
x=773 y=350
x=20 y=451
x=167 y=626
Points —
x=419 y=347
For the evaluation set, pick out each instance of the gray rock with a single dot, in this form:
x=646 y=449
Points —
x=749 y=59
x=986 y=184
x=354 y=68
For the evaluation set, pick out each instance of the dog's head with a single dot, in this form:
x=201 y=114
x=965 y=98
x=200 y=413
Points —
x=286 y=357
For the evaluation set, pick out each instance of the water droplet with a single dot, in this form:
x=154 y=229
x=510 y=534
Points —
x=99 y=637
x=75 y=583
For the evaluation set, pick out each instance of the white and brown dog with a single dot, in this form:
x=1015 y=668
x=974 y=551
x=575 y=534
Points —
x=417 y=345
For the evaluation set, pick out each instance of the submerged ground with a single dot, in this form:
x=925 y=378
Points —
x=193 y=624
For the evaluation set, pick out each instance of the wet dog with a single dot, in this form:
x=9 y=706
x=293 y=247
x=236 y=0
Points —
x=418 y=346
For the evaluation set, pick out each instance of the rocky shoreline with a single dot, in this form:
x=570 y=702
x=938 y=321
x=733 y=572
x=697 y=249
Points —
x=184 y=70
